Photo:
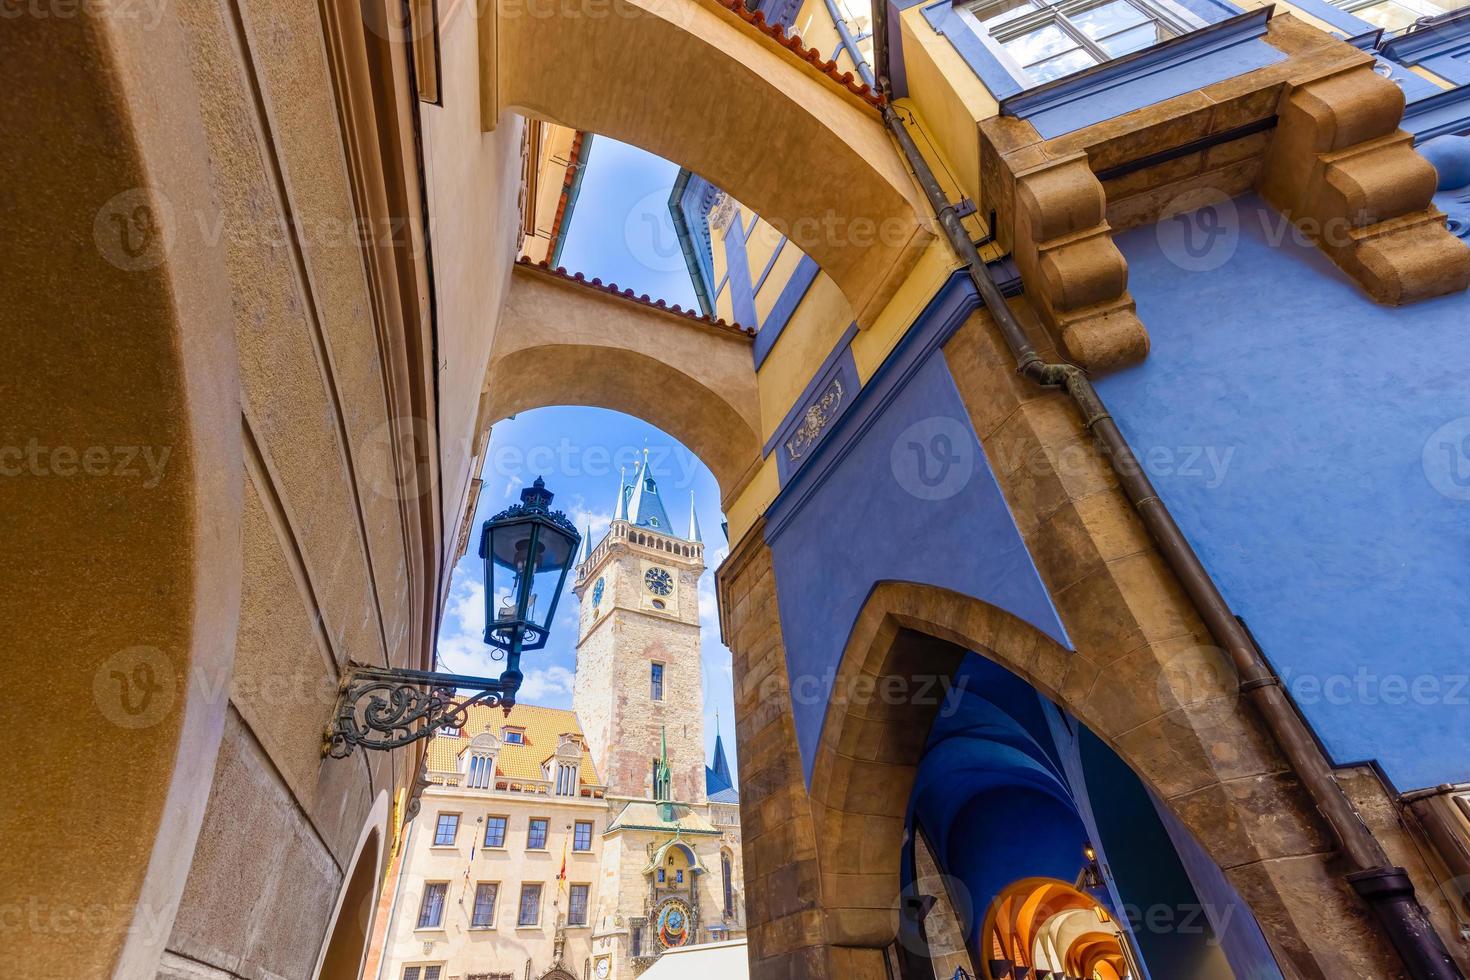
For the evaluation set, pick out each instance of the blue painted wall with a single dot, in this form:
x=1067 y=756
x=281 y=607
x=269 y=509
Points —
x=900 y=490
x=1336 y=514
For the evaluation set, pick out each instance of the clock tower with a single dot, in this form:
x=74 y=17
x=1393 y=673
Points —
x=638 y=686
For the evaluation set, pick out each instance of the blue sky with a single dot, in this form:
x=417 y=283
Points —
x=620 y=231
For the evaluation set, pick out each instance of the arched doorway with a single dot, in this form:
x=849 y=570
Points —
x=868 y=762
x=342 y=959
x=1059 y=857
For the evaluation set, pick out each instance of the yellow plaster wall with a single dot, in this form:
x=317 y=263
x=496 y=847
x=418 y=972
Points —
x=947 y=94
x=810 y=335
x=871 y=346
x=786 y=264
x=753 y=501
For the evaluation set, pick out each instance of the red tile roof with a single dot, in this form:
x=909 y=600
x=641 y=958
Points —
x=810 y=55
x=569 y=178
x=612 y=288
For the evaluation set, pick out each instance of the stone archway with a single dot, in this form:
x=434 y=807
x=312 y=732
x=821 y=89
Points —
x=564 y=342
x=731 y=103
x=1182 y=730
x=122 y=475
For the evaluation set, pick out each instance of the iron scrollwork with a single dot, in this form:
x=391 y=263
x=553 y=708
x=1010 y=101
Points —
x=388 y=709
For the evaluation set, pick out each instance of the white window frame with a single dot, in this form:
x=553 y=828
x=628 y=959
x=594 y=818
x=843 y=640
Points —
x=1166 y=12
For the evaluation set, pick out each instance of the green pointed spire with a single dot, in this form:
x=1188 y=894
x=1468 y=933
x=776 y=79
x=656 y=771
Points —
x=663 y=777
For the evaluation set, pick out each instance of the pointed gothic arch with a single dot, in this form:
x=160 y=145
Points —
x=867 y=758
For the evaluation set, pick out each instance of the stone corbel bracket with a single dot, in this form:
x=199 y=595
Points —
x=1341 y=169
x=1051 y=212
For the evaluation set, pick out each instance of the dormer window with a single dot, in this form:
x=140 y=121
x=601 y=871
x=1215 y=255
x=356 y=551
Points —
x=566 y=779
x=564 y=767
x=653 y=522
x=481 y=773
x=514 y=736
x=478 y=762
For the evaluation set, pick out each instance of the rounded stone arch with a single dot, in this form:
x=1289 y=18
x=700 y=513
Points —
x=124 y=464
x=867 y=758
x=345 y=943
x=807 y=154
x=636 y=384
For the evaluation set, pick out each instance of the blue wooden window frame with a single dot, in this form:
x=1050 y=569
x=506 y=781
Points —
x=582 y=835
x=945 y=18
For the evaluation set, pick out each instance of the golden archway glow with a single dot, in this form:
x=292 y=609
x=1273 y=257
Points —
x=1047 y=924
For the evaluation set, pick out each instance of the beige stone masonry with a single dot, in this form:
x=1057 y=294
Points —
x=1344 y=172
x=1335 y=163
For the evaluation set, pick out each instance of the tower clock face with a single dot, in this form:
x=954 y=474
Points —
x=597 y=591
x=658 y=581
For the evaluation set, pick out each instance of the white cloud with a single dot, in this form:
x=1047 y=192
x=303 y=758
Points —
x=584 y=517
x=550 y=686
x=709 y=605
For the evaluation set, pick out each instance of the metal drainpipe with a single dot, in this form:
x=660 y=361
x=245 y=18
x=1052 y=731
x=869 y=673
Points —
x=1386 y=889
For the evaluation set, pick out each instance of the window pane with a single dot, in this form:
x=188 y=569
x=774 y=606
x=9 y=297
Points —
x=1134 y=39
x=530 y=905
x=432 y=972
x=1388 y=15
x=1039 y=44
x=536 y=838
x=495 y=832
x=410 y=973
x=431 y=909
x=446 y=828
x=484 y=914
x=1063 y=64
x=577 y=906
x=993 y=14
x=582 y=836
x=1107 y=19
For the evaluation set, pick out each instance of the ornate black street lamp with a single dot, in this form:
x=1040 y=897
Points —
x=528 y=550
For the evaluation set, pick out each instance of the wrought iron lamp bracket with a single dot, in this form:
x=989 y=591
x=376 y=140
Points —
x=386 y=709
